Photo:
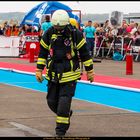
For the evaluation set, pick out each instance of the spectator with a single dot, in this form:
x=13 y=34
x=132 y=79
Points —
x=90 y=35
x=45 y=25
x=28 y=28
x=106 y=26
x=8 y=30
x=5 y=25
x=122 y=30
x=130 y=27
x=134 y=28
x=1 y=30
x=124 y=22
x=34 y=29
x=22 y=30
x=15 y=30
x=138 y=29
x=136 y=35
x=96 y=25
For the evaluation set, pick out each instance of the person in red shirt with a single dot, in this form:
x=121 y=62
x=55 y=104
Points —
x=8 y=31
x=128 y=29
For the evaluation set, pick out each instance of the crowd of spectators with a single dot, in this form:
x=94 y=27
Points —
x=7 y=29
x=103 y=31
x=132 y=29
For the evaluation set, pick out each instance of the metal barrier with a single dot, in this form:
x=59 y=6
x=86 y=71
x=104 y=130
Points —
x=120 y=46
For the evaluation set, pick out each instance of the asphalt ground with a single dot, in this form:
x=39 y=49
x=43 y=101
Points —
x=24 y=113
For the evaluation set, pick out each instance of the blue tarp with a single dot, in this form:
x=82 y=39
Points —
x=33 y=16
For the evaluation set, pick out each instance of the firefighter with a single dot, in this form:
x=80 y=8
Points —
x=64 y=44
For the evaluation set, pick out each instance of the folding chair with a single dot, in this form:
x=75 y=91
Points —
x=117 y=44
x=100 y=47
x=128 y=48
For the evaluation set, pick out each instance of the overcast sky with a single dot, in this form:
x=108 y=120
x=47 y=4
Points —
x=84 y=6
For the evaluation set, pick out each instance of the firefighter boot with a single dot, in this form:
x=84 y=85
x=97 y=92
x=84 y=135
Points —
x=71 y=112
x=62 y=133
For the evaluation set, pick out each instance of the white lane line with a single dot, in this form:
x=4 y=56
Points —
x=30 y=130
x=110 y=86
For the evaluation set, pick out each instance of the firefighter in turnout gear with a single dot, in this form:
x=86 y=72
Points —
x=60 y=49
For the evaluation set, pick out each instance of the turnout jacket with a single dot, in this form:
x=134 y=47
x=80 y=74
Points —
x=64 y=50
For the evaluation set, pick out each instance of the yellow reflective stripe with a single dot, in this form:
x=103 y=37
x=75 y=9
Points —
x=65 y=75
x=49 y=47
x=54 y=36
x=44 y=44
x=73 y=74
x=81 y=43
x=88 y=62
x=71 y=64
x=72 y=50
x=47 y=77
x=64 y=120
x=68 y=76
x=66 y=80
x=41 y=61
x=72 y=78
x=49 y=63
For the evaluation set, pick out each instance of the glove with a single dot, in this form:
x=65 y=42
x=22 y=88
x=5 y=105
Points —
x=38 y=75
x=90 y=75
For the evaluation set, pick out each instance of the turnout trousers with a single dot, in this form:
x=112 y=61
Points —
x=59 y=100
x=90 y=45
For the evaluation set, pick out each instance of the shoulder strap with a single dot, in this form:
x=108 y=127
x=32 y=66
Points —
x=74 y=36
x=52 y=36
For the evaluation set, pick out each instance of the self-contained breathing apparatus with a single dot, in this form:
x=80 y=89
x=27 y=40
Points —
x=62 y=52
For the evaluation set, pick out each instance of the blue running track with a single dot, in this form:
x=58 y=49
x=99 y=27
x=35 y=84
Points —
x=113 y=97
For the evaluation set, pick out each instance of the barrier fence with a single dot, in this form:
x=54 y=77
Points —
x=9 y=46
x=122 y=45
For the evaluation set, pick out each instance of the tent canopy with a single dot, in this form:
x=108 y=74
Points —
x=34 y=15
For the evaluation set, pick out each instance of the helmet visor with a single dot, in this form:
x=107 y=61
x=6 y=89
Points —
x=59 y=28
